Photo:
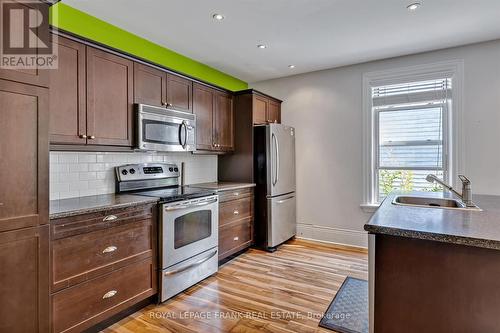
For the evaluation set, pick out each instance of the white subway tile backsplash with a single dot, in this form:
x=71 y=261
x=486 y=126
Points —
x=75 y=174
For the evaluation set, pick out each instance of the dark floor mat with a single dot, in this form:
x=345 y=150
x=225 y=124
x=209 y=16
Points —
x=348 y=312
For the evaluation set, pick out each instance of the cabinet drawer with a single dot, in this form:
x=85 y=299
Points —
x=235 y=210
x=234 y=238
x=235 y=194
x=83 y=257
x=80 y=224
x=86 y=304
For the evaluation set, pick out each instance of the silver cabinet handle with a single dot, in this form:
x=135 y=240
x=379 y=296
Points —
x=110 y=218
x=109 y=294
x=236 y=194
x=91 y=137
x=198 y=204
x=191 y=265
x=83 y=136
x=236 y=212
x=236 y=238
x=109 y=249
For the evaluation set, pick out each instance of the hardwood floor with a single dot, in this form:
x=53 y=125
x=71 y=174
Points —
x=284 y=291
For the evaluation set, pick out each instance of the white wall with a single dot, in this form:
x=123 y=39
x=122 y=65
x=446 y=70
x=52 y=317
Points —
x=325 y=107
x=81 y=174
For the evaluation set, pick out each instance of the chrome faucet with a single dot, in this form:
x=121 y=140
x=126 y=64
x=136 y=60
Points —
x=466 y=194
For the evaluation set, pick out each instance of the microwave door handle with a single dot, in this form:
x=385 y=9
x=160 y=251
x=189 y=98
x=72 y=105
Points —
x=181 y=128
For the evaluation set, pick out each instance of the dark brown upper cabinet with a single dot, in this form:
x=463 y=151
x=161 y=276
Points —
x=223 y=121
x=109 y=99
x=24 y=150
x=156 y=87
x=179 y=93
x=203 y=107
x=265 y=109
x=68 y=115
x=260 y=106
x=214 y=119
x=150 y=85
x=29 y=76
x=273 y=114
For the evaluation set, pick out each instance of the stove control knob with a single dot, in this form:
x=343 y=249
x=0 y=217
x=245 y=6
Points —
x=170 y=169
x=132 y=171
x=176 y=169
x=124 y=172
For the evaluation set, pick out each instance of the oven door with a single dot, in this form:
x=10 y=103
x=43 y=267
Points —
x=188 y=228
x=165 y=130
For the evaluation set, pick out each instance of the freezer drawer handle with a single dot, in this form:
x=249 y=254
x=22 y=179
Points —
x=191 y=265
x=285 y=199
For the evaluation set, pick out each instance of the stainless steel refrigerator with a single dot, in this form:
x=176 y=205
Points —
x=274 y=167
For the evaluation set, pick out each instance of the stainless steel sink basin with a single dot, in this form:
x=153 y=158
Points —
x=429 y=202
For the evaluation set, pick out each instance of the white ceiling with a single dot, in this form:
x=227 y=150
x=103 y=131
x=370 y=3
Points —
x=310 y=34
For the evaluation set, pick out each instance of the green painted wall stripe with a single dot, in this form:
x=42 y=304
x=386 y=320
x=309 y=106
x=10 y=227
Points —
x=82 y=24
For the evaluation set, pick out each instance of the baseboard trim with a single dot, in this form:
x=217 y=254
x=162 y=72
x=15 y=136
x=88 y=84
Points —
x=332 y=235
x=332 y=245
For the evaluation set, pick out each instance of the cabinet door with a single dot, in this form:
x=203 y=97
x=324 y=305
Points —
x=203 y=107
x=23 y=156
x=24 y=283
x=179 y=93
x=224 y=127
x=260 y=105
x=109 y=99
x=274 y=112
x=68 y=119
x=30 y=76
x=150 y=85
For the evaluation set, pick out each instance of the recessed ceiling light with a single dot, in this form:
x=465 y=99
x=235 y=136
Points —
x=414 y=6
x=262 y=46
x=291 y=66
x=218 y=17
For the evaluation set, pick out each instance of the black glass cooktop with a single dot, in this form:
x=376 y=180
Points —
x=169 y=194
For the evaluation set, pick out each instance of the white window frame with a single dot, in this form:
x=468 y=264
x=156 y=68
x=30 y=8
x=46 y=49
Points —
x=453 y=136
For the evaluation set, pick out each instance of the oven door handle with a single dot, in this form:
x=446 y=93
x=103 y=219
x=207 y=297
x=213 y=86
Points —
x=198 y=204
x=191 y=265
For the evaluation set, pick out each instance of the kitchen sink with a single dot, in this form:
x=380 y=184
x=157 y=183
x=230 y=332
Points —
x=429 y=202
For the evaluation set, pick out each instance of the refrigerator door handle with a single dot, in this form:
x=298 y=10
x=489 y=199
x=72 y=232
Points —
x=277 y=159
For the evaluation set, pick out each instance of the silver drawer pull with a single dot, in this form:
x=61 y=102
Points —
x=110 y=249
x=109 y=294
x=236 y=194
x=236 y=238
x=110 y=218
x=236 y=212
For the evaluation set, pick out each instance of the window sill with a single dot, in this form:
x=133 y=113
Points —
x=369 y=208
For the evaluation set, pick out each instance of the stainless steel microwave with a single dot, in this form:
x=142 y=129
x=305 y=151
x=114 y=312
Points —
x=161 y=129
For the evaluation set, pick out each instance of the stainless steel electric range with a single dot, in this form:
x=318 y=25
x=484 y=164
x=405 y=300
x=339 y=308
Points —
x=188 y=225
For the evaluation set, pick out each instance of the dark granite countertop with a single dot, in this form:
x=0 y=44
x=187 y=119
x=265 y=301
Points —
x=223 y=186
x=473 y=228
x=83 y=205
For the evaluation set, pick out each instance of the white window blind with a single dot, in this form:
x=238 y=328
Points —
x=410 y=134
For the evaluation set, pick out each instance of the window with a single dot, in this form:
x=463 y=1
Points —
x=410 y=122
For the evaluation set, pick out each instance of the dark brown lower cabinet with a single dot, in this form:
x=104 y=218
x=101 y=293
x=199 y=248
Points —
x=101 y=264
x=236 y=220
x=24 y=280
